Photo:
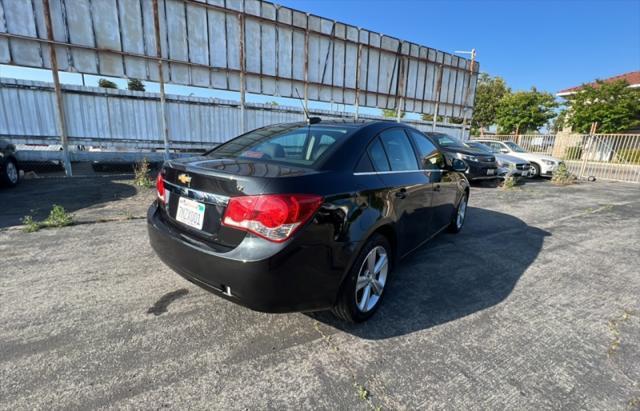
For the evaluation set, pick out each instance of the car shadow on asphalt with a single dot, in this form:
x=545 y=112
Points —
x=452 y=276
x=36 y=197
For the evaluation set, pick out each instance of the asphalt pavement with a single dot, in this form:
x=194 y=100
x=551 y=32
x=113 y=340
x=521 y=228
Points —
x=534 y=305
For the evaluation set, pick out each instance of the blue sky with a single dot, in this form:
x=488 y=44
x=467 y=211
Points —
x=548 y=44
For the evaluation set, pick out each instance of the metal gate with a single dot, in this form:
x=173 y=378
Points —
x=614 y=157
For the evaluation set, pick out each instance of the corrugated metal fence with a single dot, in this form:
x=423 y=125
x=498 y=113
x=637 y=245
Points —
x=132 y=120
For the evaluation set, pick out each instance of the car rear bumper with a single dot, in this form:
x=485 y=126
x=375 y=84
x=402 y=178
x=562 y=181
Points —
x=286 y=277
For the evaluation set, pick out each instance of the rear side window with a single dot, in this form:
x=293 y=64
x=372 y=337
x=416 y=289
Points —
x=399 y=151
x=364 y=165
x=431 y=158
x=378 y=156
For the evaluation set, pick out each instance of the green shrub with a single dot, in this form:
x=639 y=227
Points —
x=573 y=153
x=629 y=155
x=135 y=85
x=58 y=217
x=562 y=176
x=141 y=174
x=104 y=83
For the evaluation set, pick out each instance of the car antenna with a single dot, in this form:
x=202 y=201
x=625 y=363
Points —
x=310 y=120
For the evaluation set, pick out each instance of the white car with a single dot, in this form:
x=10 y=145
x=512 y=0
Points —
x=541 y=164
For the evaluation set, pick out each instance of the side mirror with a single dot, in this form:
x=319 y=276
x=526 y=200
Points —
x=504 y=150
x=458 y=165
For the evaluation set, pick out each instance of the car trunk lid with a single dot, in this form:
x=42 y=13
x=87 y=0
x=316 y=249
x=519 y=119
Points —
x=211 y=182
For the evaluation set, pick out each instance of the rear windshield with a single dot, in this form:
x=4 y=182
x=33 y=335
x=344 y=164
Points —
x=480 y=147
x=446 y=141
x=298 y=145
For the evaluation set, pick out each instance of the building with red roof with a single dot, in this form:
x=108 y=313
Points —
x=632 y=77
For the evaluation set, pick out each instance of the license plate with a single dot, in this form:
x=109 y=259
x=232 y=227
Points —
x=491 y=171
x=190 y=213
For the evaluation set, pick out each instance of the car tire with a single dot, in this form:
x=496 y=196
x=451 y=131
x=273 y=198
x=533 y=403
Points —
x=458 y=219
x=354 y=304
x=534 y=171
x=10 y=173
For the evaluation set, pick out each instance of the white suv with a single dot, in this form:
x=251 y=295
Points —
x=541 y=164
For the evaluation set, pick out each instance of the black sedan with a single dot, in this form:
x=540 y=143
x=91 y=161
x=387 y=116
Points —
x=305 y=217
x=482 y=165
x=8 y=164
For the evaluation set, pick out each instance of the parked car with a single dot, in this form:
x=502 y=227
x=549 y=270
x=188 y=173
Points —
x=506 y=164
x=481 y=165
x=541 y=164
x=305 y=217
x=9 y=174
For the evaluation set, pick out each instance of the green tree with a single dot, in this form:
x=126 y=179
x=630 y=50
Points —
x=104 y=83
x=489 y=93
x=525 y=111
x=559 y=122
x=614 y=105
x=135 y=85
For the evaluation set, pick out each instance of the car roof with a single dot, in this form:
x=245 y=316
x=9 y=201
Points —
x=350 y=123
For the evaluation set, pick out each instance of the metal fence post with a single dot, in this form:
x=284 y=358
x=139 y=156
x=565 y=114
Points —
x=358 y=78
x=439 y=87
x=306 y=64
x=163 y=103
x=59 y=105
x=243 y=91
x=400 y=90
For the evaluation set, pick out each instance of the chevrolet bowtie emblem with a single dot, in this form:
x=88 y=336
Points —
x=184 y=179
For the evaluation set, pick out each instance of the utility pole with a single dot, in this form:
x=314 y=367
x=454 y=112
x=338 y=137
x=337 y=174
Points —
x=465 y=100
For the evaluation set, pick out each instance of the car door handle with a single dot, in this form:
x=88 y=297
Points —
x=436 y=187
x=402 y=193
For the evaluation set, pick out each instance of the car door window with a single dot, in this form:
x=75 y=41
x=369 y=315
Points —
x=430 y=157
x=399 y=150
x=494 y=146
x=378 y=156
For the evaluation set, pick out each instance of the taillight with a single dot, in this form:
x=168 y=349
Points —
x=160 y=188
x=274 y=217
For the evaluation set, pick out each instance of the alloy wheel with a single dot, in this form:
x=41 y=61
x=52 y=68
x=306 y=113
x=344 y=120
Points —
x=12 y=172
x=372 y=279
x=462 y=210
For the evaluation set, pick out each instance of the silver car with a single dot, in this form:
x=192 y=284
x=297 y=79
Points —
x=506 y=163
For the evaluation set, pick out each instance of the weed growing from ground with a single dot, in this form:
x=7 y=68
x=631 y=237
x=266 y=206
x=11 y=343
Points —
x=562 y=176
x=58 y=217
x=141 y=174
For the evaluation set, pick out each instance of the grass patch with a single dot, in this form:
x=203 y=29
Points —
x=614 y=328
x=363 y=394
x=58 y=217
x=30 y=225
x=562 y=176
x=141 y=172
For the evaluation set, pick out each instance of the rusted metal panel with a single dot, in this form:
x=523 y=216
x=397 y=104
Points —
x=19 y=18
x=200 y=43
x=107 y=118
x=5 y=57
